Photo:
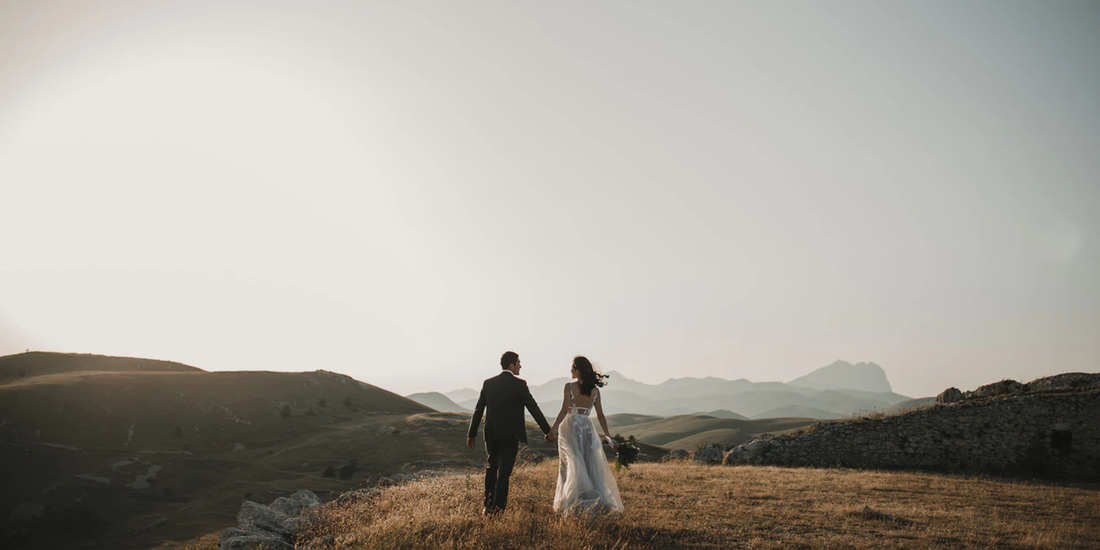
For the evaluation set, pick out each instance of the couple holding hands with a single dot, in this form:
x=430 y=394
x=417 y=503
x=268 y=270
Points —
x=585 y=482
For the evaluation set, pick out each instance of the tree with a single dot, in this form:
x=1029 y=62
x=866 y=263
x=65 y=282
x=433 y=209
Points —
x=322 y=403
x=347 y=402
x=329 y=472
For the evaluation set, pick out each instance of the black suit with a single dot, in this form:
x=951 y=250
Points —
x=503 y=398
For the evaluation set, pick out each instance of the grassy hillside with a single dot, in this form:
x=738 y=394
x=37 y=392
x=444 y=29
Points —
x=909 y=405
x=213 y=410
x=722 y=413
x=617 y=421
x=797 y=411
x=105 y=446
x=39 y=363
x=130 y=459
x=687 y=431
x=437 y=401
x=689 y=506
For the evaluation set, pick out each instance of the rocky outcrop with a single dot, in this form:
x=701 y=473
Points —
x=712 y=453
x=1004 y=387
x=1045 y=428
x=676 y=454
x=749 y=453
x=268 y=527
x=948 y=396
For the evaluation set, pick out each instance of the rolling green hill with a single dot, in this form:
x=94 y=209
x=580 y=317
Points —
x=687 y=431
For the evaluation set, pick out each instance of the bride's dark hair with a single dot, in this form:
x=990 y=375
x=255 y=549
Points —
x=589 y=377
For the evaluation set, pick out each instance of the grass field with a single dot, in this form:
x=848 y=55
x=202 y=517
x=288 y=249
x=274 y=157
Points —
x=689 y=506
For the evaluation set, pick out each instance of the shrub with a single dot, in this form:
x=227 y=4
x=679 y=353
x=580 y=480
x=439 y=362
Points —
x=311 y=412
x=347 y=470
x=322 y=403
x=347 y=402
x=329 y=472
x=286 y=411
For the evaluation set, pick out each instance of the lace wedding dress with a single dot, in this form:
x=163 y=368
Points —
x=585 y=481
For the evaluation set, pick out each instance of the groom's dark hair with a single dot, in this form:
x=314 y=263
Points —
x=508 y=359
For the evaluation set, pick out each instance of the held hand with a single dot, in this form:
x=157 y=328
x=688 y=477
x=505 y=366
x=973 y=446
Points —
x=614 y=444
x=470 y=442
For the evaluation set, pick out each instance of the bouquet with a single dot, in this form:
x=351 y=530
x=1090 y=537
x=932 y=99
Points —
x=627 y=453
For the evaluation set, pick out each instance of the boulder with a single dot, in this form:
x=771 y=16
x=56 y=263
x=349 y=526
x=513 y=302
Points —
x=676 y=454
x=747 y=453
x=1004 y=387
x=287 y=506
x=306 y=498
x=950 y=395
x=250 y=539
x=257 y=517
x=711 y=454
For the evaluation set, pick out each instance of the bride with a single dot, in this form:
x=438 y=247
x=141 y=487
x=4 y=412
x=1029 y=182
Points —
x=585 y=481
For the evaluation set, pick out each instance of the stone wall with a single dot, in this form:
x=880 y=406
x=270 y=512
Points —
x=1051 y=433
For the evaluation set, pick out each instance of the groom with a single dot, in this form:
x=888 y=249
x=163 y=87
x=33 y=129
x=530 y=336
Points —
x=505 y=396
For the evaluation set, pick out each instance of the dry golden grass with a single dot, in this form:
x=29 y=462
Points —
x=684 y=505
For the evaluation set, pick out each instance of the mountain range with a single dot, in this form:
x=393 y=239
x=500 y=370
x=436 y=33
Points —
x=837 y=390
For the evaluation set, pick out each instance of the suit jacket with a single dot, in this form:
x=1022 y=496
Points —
x=502 y=400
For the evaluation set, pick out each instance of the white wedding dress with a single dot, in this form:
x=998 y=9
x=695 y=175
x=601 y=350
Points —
x=585 y=481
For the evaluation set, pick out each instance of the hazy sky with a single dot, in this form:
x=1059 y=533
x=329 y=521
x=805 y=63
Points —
x=400 y=191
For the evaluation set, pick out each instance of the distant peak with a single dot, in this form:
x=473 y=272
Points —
x=840 y=374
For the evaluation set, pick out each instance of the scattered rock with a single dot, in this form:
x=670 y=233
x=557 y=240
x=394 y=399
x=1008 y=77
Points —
x=306 y=498
x=950 y=395
x=1004 y=387
x=237 y=447
x=268 y=527
x=711 y=454
x=289 y=507
x=747 y=453
x=254 y=516
x=250 y=539
x=675 y=454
